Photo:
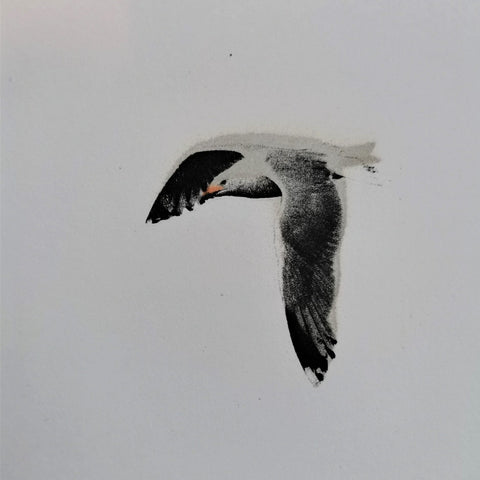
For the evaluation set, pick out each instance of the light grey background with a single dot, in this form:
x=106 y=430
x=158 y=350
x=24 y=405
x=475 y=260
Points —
x=140 y=351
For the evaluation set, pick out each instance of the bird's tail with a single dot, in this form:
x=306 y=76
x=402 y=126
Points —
x=359 y=155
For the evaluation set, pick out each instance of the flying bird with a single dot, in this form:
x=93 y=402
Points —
x=309 y=176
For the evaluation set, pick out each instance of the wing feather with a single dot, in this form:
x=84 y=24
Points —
x=310 y=227
x=183 y=188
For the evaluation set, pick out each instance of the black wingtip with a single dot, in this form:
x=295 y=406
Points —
x=157 y=218
x=152 y=219
x=158 y=212
x=312 y=360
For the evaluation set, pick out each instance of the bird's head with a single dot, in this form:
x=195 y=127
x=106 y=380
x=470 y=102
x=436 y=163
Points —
x=259 y=187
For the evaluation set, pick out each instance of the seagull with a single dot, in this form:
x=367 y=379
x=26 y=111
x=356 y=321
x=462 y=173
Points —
x=309 y=176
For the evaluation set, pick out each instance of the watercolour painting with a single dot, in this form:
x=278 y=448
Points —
x=309 y=176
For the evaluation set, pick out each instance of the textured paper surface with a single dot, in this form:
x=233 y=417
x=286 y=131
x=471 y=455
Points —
x=137 y=352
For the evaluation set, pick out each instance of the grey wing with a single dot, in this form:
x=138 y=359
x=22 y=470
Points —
x=311 y=227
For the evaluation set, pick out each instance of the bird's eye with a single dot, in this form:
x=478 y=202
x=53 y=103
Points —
x=223 y=182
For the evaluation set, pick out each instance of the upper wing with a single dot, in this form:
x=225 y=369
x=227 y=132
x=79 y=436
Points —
x=311 y=227
x=193 y=175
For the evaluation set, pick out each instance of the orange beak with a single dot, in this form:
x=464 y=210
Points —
x=212 y=189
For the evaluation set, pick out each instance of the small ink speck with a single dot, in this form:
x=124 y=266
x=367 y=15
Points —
x=229 y=54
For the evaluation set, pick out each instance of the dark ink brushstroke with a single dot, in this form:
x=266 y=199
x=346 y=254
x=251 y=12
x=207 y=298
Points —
x=185 y=186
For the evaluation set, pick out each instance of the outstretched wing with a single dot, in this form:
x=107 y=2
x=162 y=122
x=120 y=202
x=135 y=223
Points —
x=185 y=186
x=311 y=226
